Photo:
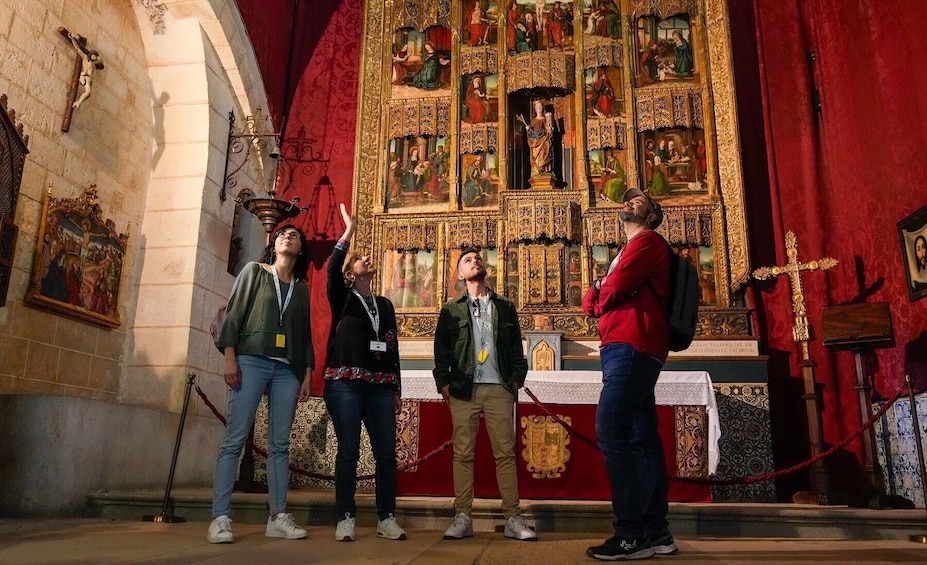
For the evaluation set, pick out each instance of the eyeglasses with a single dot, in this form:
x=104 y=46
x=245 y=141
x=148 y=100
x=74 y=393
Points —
x=288 y=235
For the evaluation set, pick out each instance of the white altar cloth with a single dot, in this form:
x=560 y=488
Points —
x=686 y=388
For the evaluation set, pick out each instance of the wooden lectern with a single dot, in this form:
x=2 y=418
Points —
x=861 y=328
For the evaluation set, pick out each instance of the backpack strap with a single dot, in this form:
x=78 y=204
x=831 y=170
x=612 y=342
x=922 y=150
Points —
x=666 y=305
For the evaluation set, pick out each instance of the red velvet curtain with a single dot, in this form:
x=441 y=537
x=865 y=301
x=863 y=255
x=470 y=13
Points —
x=325 y=104
x=840 y=178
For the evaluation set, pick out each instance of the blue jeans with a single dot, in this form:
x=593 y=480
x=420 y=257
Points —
x=350 y=402
x=627 y=433
x=257 y=375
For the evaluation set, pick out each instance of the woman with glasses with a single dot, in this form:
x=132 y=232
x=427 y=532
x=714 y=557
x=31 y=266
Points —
x=361 y=384
x=267 y=342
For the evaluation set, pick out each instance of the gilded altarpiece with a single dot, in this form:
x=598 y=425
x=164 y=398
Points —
x=517 y=126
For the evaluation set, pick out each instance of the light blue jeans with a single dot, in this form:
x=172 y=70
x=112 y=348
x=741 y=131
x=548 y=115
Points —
x=257 y=375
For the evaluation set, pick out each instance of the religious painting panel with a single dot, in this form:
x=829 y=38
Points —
x=602 y=257
x=480 y=181
x=512 y=275
x=673 y=162
x=481 y=99
x=78 y=261
x=409 y=279
x=456 y=285
x=556 y=23
x=705 y=264
x=574 y=278
x=602 y=18
x=523 y=27
x=417 y=174
x=664 y=49
x=421 y=63
x=480 y=20
x=603 y=99
x=607 y=170
x=913 y=234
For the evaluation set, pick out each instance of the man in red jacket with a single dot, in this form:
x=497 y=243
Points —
x=630 y=303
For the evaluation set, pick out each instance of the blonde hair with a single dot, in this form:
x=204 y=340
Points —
x=347 y=270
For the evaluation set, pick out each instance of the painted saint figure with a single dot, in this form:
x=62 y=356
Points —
x=476 y=188
x=603 y=94
x=477 y=26
x=511 y=18
x=683 y=64
x=476 y=101
x=429 y=77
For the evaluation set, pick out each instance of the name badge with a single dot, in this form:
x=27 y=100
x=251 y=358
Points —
x=377 y=345
x=281 y=340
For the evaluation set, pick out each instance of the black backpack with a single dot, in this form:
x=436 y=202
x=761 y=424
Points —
x=682 y=304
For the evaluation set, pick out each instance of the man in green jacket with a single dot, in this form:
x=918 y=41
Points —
x=479 y=367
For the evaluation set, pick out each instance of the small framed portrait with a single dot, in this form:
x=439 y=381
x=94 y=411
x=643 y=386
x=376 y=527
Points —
x=912 y=231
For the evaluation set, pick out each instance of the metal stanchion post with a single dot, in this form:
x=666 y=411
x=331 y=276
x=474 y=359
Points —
x=167 y=506
x=919 y=538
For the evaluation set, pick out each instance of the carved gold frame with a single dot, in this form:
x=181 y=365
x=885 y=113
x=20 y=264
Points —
x=724 y=208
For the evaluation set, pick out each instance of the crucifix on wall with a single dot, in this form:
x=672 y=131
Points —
x=87 y=60
x=802 y=334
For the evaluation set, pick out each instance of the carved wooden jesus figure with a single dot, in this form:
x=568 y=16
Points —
x=87 y=60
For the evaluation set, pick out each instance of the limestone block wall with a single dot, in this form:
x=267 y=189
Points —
x=108 y=145
x=153 y=138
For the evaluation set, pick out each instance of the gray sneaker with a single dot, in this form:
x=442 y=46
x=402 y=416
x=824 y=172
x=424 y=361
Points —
x=461 y=527
x=220 y=530
x=345 y=529
x=284 y=527
x=517 y=528
x=389 y=528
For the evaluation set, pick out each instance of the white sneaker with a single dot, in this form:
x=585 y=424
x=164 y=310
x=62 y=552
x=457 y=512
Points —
x=284 y=527
x=345 y=529
x=220 y=530
x=517 y=528
x=388 y=528
x=461 y=527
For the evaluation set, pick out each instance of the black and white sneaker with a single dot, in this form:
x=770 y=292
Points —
x=621 y=549
x=663 y=544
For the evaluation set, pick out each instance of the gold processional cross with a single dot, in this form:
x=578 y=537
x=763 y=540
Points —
x=802 y=334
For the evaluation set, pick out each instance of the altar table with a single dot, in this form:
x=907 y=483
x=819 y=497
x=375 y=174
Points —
x=552 y=462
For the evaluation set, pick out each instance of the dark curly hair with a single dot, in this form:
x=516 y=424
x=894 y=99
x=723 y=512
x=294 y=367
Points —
x=301 y=268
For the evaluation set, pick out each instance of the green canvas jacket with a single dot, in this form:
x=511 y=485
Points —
x=454 y=362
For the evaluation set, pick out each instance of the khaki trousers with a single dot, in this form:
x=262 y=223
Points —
x=498 y=407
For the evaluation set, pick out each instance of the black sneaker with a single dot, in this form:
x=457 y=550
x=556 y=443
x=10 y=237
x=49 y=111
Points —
x=663 y=544
x=621 y=549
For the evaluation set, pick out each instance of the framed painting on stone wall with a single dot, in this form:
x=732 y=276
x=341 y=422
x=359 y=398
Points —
x=78 y=262
x=913 y=234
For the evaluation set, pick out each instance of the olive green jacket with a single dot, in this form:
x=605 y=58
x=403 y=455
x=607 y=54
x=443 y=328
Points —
x=454 y=362
x=252 y=320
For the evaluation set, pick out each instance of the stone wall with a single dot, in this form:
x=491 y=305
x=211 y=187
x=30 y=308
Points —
x=153 y=138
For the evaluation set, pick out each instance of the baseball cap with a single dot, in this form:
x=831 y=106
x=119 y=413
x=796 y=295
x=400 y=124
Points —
x=657 y=209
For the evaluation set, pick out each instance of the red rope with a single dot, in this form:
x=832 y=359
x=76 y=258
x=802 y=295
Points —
x=752 y=478
x=263 y=452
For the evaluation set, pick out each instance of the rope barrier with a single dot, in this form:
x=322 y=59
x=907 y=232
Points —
x=263 y=452
x=569 y=428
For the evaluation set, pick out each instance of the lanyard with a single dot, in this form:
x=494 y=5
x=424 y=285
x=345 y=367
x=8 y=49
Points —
x=282 y=304
x=374 y=315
